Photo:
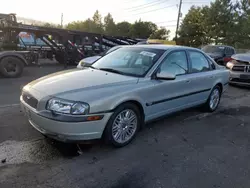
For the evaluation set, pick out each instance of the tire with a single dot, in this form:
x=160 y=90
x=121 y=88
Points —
x=11 y=67
x=214 y=95
x=112 y=129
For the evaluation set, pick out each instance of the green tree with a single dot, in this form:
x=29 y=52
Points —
x=221 y=20
x=242 y=26
x=98 y=25
x=162 y=34
x=142 y=29
x=87 y=26
x=193 y=29
x=123 y=28
x=93 y=25
x=109 y=25
x=51 y=25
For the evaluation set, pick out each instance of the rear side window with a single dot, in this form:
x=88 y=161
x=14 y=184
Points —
x=199 y=62
x=229 y=51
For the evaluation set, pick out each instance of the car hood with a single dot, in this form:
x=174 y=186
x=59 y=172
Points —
x=214 y=55
x=242 y=57
x=78 y=79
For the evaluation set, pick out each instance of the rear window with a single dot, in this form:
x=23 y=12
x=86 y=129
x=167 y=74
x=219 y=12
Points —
x=213 y=49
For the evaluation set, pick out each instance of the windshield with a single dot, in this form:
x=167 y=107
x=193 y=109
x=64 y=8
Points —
x=135 y=61
x=213 y=49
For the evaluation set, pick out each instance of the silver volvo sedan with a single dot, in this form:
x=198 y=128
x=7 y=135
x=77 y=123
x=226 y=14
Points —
x=113 y=98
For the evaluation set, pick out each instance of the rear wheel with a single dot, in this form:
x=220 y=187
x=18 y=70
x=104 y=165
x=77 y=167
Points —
x=123 y=125
x=11 y=67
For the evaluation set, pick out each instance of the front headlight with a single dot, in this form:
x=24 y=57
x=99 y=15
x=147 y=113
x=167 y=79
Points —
x=229 y=65
x=67 y=107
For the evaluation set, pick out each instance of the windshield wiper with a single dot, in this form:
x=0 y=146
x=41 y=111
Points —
x=111 y=70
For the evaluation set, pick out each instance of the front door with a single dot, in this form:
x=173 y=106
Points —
x=167 y=96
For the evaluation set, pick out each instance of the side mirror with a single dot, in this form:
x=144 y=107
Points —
x=165 y=76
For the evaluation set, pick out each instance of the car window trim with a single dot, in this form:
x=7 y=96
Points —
x=191 y=50
x=171 y=52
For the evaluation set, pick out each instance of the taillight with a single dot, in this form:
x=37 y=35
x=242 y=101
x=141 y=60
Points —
x=227 y=59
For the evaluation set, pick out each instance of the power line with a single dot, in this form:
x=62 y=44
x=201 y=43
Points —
x=167 y=26
x=137 y=8
x=145 y=5
x=197 y=1
x=200 y=2
x=165 y=21
x=127 y=1
x=153 y=10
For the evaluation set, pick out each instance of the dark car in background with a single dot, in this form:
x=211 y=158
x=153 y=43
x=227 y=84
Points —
x=239 y=66
x=220 y=53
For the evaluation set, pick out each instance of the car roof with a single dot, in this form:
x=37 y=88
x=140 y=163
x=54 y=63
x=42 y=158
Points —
x=221 y=46
x=161 y=46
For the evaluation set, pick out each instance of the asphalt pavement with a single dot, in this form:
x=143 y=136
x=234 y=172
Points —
x=187 y=149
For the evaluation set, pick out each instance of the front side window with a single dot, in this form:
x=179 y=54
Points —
x=133 y=61
x=176 y=63
x=229 y=51
x=199 y=62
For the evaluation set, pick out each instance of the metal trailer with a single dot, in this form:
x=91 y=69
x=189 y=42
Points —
x=66 y=46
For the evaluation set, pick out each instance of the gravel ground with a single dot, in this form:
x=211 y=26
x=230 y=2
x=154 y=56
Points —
x=187 y=149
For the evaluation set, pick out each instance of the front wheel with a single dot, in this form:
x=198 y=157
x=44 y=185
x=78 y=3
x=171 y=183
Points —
x=213 y=100
x=123 y=125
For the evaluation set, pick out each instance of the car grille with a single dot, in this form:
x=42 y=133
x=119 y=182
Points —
x=30 y=100
x=240 y=80
x=238 y=68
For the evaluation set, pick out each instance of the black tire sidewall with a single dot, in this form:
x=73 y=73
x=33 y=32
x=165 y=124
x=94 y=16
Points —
x=208 y=101
x=18 y=62
x=108 y=130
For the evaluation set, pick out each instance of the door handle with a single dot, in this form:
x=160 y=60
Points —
x=187 y=81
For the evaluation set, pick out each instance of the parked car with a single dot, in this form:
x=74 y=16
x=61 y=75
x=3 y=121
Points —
x=239 y=67
x=90 y=60
x=220 y=53
x=121 y=91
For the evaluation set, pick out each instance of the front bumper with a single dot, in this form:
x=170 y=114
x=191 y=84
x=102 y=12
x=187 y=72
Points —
x=66 y=131
x=236 y=78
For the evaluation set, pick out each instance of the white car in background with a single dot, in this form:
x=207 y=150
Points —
x=90 y=60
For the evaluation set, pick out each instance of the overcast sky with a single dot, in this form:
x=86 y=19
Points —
x=162 y=12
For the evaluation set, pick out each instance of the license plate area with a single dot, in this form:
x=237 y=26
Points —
x=244 y=76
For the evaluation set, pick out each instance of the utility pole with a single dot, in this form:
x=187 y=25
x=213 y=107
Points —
x=178 y=20
x=62 y=20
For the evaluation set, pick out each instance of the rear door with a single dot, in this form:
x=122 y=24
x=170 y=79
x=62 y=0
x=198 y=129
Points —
x=202 y=76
